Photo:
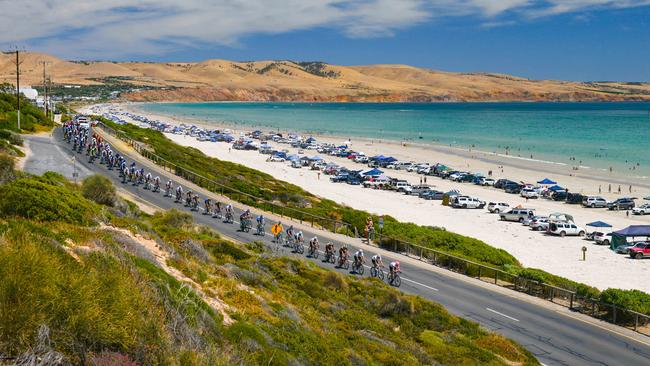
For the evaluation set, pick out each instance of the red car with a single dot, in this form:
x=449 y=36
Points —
x=640 y=251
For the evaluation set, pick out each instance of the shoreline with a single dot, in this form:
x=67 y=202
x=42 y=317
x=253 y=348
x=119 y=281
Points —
x=495 y=160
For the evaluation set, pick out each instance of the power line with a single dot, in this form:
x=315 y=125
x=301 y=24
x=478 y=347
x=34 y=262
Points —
x=16 y=62
x=45 y=78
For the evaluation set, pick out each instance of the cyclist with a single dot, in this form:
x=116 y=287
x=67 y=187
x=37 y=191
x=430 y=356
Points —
x=208 y=206
x=260 y=225
x=290 y=234
x=376 y=261
x=313 y=245
x=188 y=199
x=229 y=213
x=299 y=237
x=147 y=181
x=217 y=209
x=179 y=194
x=168 y=188
x=156 y=184
x=277 y=238
x=195 y=202
x=359 y=259
x=329 y=250
x=393 y=268
x=343 y=255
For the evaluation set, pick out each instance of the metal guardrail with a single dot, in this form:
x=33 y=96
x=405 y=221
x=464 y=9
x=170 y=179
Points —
x=610 y=313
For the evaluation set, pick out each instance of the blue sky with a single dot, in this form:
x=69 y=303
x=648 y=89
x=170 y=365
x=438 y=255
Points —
x=547 y=39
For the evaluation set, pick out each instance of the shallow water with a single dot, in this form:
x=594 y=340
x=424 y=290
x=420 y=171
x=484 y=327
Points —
x=598 y=135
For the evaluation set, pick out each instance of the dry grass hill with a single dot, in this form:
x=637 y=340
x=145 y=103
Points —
x=312 y=81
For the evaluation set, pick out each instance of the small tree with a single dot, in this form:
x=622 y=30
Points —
x=98 y=188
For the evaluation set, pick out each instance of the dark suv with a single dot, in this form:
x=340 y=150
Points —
x=621 y=204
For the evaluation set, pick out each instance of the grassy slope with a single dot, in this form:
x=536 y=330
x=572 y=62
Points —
x=96 y=295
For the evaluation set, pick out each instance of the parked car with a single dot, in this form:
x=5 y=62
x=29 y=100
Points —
x=416 y=190
x=565 y=228
x=640 y=251
x=621 y=204
x=559 y=196
x=540 y=224
x=485 y=181
x=594 y=201
x=642 y=210
x=602 y=238
x=401 y=186
x=512 y=188
x=467 y=202
x=517 y=214
x=275 y=158
x=341 y=177
x=530 y=220
x=502 y=182
x=625 y=248
x=361 y=159
x=574 y=198
x=529 y=193
x=432 y=195
x=496 y=207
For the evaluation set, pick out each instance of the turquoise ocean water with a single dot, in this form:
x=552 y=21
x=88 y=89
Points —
x=598 y=134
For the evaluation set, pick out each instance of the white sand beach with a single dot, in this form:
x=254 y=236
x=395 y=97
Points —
x=561 y=256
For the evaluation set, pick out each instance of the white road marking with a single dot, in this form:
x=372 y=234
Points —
x=419 y=284
x=502 y=314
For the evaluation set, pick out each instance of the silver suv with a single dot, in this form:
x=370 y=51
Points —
x=517 y=214
x=594 y=201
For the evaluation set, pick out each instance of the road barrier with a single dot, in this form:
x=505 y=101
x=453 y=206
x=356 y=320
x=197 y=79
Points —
x=610 y=313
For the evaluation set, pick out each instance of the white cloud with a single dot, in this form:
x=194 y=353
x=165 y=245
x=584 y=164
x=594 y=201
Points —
x=119 y=28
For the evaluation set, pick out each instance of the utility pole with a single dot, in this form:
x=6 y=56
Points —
x=17 y=62
x=45 y=104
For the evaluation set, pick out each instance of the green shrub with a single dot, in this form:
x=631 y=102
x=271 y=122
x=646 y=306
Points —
x=12 y=137
x=100 y=189
x=634 y=300
x=7 y=166
x=43 y=200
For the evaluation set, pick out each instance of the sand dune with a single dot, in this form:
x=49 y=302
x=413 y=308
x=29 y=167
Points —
x=311 y=81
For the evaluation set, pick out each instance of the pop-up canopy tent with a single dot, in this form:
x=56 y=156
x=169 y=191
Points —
x=635 y=231
x=599 y=224
x=546 y=181
x=374 y=172
x=556 y=188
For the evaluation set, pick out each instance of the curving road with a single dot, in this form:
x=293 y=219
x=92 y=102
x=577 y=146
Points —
x=553 y=334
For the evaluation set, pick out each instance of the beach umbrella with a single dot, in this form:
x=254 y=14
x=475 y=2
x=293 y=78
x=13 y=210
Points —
x=599 y=224
x=546 y=181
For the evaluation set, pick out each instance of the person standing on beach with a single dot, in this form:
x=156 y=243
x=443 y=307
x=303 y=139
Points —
x=610 y=188
x=619 y=189
x=599 y=190
x=630 y=188
x=318 y=175
x=420 y=180
x=425 y=180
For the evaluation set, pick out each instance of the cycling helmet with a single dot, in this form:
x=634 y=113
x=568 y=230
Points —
x=397 y=262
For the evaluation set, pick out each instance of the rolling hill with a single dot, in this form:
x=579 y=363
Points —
x=311 y=81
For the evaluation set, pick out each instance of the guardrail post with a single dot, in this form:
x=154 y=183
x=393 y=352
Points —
x=496 y=277
x=636 y=321
x=571 y=301
x=614 y=315
x=479 y=272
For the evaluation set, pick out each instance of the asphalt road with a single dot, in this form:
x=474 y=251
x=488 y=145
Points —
x=554 y=337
